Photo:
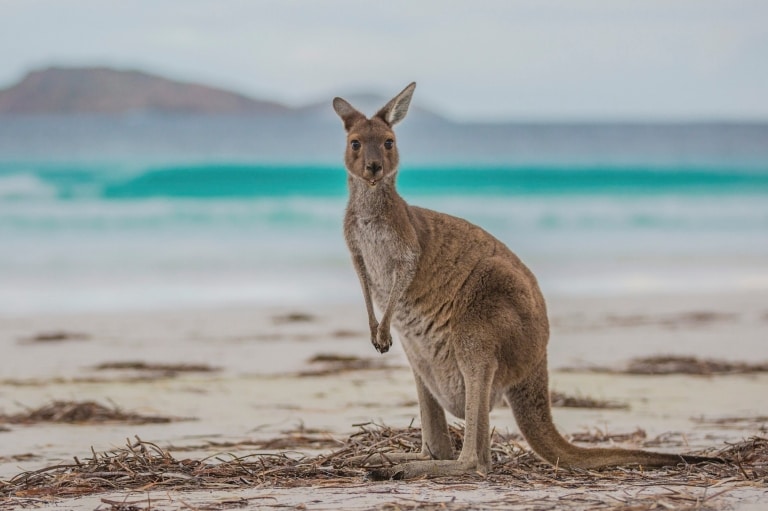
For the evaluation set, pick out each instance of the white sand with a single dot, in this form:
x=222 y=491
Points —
x=257 y=393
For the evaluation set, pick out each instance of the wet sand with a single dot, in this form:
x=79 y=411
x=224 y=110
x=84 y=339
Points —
x=245 y=375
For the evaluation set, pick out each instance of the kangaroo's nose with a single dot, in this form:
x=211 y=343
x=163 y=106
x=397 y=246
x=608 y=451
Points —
x=374 y=166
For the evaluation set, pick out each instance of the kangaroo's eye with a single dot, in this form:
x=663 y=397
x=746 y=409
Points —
x=355 y=144
x=389 y=143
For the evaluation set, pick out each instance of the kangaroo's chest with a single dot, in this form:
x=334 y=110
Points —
x=381 y=249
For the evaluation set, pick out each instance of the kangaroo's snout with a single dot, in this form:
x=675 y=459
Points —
x=374 y=167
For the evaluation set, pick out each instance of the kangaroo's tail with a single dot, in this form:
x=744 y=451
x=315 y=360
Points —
x=530 y=404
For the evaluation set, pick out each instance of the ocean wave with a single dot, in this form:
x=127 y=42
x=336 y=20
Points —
x=243 y=181
x=207 y=181
x=24 y=186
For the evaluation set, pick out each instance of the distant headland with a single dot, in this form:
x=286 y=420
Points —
x=108 y=91
x=101 y=90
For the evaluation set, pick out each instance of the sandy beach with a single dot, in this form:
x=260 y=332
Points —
x=236 y=376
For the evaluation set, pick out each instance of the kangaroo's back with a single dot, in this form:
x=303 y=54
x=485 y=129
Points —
x=451 y=248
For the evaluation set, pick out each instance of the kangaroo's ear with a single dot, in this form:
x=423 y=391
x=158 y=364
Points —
x=349 y=114
x=394 y=111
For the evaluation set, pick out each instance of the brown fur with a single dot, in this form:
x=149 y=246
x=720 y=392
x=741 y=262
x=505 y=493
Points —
x=470 y=314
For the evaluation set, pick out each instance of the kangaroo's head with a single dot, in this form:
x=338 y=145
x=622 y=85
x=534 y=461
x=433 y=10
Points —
x=371 y=153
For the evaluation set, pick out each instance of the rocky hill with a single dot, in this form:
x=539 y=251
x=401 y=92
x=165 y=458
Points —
x=109 y=91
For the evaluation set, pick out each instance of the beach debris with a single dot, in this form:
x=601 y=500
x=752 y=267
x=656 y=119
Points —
x=677 y=364
x=562 y=400
x=300 y=437
x=327 y=364
x=27 y=456
x=167 y=370
x=141 y=465
x=688 y=319
x=348 y=334
x=752 y=423
x=673 y=364
x=293 y=317
x=596 y=436
x=55 y=336
x=681 y=319
x=128 y=505
x=48 y=382
x=82 y=412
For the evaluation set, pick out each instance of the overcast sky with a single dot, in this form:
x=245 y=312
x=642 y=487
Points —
x=473 y=60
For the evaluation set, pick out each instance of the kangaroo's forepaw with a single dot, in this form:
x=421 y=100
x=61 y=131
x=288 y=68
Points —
x=383 y=340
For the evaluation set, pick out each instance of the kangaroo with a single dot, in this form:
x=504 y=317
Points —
x=470 y=316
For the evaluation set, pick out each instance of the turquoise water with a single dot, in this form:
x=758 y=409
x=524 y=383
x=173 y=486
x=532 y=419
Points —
x=217 y=180
x=113 y=235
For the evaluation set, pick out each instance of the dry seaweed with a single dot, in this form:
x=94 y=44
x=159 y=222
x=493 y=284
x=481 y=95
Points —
x=328 y=364
x=81 y=412
x=334 y=358
x=690 y=319
x=677 y=364
x=165 y=369
x=28 y=456
x=55 y=336
x=293 y=439
x=44 y=382
x=145 y=465
x=293 y=317
x=682 y=319
x=691 y=365
x=596 y=436
x=565 y=401
x=345 y=334
x=752 y=423
x=127 y=505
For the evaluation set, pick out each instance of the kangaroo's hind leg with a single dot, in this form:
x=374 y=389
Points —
x=475 y=456
x=435 y=438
